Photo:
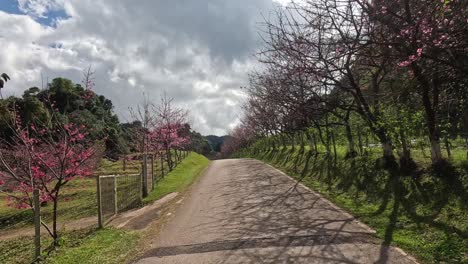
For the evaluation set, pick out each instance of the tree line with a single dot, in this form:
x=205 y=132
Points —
x=343 y=71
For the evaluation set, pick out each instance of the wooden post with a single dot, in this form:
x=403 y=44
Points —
x=162 y=166
x=144 y=173
x=124 y=162
x=37 y=223
x=116 y=210
x=98 y=194
x=152 y=172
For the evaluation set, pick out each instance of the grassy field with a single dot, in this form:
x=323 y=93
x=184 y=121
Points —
x=91 y=245
x=78 y=199
x=425 y=212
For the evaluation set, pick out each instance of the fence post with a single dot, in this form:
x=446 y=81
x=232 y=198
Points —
x=124 y=162
x=37 y=223
x=115 y=196
x=98 y=194
x=152 y=172
x=162 y=166
x=144 y=173
x=140 y=187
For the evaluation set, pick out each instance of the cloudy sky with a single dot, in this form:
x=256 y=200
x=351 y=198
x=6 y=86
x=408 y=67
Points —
x=198 y=51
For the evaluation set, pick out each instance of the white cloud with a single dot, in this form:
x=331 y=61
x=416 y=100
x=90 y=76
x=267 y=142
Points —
x=197 y=51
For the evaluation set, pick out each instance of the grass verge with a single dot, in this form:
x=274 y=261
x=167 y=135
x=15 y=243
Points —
x=83 y=246
x=180 y=178
x=424 y=214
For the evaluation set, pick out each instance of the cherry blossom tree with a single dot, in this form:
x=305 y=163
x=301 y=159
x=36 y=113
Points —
x=240 y=137
x=168 y=133
x=327 y=60
x=146 y=115
x=44 y=157
x=428 y=39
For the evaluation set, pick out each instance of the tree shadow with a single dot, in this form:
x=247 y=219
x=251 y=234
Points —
x=260 y=216
x=416 y=199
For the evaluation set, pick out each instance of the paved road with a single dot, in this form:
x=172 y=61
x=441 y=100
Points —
x=244 y=211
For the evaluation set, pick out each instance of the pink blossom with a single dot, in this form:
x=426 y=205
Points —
x=419 y=51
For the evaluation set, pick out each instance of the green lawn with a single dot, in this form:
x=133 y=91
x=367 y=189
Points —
x=423 y=213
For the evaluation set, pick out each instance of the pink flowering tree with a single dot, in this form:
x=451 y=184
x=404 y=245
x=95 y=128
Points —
x=45 y=158
x=427 y=39
x=170 y=131
x=170 y=137
x=240 y=137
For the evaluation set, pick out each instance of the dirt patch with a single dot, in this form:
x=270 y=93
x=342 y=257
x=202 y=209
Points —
x=140 y=218
x=29 y=231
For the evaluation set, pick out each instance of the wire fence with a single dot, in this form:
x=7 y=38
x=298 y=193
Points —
x=122 y=191
x=117 y=193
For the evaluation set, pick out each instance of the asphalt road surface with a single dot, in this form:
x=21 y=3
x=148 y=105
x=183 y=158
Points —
x=244 y=211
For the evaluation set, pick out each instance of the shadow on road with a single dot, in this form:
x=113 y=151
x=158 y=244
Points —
x=260 y=216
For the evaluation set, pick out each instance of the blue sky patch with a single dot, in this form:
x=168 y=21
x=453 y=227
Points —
x=11 y=7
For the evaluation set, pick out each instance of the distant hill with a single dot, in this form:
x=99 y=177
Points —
x=216 y=142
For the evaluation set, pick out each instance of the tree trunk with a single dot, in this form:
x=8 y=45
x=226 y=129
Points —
x=283 y=141
x=349 y=137
x=367 y=140
x=334 y=146
x=466 y=145
x=293 y=146
x=387 y=145
x=406 y=155
x=314 y=139
x=430 y=110
x=311 y=141
x=169 y=158
x=54 y=221
x=387 y=149
x=447 y=147
x=361 y=148
x=327 y=133
x=302 y=142
x=436 y=152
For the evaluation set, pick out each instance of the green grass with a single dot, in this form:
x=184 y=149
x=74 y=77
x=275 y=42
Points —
x=84 y=246
x=78 y=200
x=90 y=245
x=102 y=246
x=423 y=213
x=180 y=178
x=108 y=167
